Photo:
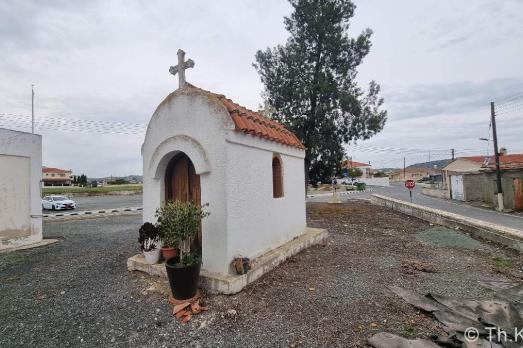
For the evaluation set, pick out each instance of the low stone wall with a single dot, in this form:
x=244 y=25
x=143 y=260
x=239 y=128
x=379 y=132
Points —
x=375 y=181
x=438 y=193
x=510 y=237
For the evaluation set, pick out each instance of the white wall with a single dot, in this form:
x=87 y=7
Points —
x=245 y=219
x=196 y=125
x=20 y=175
x=257 y=222
x=375 y=181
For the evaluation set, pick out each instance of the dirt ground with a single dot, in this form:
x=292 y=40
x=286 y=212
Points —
x=77 y=292
x=337 y=295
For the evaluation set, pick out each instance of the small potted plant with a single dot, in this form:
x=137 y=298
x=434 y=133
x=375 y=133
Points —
x=149 y=239
x=182 y=221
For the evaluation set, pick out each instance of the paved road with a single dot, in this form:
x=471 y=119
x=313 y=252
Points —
x=398 y=191
x=485 y=214
x=107 y=202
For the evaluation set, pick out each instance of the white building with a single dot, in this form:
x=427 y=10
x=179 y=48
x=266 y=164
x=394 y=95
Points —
x=20 y=175
x=203 y=147
x=366 y=168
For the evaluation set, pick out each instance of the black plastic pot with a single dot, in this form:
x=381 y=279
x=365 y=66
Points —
x=182 y=279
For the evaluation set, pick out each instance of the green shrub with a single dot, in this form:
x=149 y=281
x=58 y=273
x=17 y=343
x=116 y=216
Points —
x=178 y=224
x=361 y=186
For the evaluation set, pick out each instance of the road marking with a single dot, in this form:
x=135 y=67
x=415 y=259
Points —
x=91 y=213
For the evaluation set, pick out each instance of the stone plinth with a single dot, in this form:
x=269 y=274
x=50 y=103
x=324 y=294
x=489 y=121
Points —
x=231 y=284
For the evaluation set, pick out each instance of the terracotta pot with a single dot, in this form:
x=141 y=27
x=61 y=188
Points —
x=169 y=253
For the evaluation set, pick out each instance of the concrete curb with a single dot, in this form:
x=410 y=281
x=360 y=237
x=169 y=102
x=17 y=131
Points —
x=89 y=213
x=41 y=243
x=339 y=193
x=510 y=237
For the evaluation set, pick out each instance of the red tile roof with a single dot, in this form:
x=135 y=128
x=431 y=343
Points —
x=506 y=161
x=354 y=164
x=54 y=170
x=251 y=122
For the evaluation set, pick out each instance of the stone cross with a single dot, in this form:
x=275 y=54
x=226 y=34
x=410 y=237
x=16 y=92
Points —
x=180 y=68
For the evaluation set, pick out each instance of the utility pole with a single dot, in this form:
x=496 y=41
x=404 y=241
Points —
x=452 y=153
x=32 y=109
x=496 y=155
x=404 y=174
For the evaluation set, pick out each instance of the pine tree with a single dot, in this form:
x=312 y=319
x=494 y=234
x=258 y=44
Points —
x=310 y=83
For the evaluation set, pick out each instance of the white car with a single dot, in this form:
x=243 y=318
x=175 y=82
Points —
x=55 y=202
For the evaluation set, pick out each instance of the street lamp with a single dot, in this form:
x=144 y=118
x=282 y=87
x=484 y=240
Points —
x=488 y=141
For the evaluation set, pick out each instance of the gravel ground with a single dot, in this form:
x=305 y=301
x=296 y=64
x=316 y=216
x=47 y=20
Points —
x=77 y=292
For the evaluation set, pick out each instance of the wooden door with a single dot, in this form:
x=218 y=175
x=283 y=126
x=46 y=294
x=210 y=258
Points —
x=518 y=193
x=182 y=184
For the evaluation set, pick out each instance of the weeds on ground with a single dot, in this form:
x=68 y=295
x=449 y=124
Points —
x=409 y=331
x=502 y=264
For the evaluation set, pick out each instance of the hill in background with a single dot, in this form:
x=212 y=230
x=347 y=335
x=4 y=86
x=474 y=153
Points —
x=439 y=164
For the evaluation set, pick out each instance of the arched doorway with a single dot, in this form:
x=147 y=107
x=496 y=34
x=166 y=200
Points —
x=182 y=184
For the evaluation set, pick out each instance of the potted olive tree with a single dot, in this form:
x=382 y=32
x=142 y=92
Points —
x=149 y=239
x=182 y=221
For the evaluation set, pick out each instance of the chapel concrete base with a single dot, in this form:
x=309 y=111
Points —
x=232 y=284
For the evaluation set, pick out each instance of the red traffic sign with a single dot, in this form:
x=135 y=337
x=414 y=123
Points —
x=410 y=184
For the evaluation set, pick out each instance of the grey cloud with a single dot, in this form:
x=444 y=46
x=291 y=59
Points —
x=471 y=24
x=108 y=60
x=428 y=100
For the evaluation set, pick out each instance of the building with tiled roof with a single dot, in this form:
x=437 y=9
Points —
x=506 y=161
x=56 y=176
x=203 y=147
x=473 y=178
x=366 y=168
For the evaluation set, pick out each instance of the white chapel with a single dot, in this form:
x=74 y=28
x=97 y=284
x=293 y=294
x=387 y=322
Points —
x=203 y=147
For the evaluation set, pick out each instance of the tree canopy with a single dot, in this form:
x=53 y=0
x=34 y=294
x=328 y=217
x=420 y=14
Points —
x=310 y=84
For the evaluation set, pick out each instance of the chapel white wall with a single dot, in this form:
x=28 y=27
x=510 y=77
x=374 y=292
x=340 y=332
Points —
x=196 y=123
x=257 y=222
x=20 y=175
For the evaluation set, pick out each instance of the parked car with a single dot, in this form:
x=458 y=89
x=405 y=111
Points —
x=55 y=202
x=349 y=181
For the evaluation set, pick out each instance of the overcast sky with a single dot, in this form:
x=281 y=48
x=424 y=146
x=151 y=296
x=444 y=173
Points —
x=440 y=63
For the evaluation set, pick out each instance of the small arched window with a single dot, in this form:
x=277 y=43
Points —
x=277 y=177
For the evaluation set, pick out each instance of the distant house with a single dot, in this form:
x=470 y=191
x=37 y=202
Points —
x=413 y=174
x=474 y=179
x=56 y=176
x=365 y=168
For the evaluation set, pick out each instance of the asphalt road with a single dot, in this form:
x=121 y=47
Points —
x=485 y=214
x=398 y=191
x=107 y=202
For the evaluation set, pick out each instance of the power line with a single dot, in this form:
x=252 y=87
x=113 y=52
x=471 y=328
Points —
x=72 y=124
x=509 y=109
